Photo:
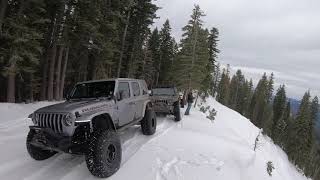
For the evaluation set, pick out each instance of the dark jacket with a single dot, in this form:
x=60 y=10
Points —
x=190 y=98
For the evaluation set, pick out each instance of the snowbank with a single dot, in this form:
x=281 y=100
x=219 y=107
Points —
x=195 y=148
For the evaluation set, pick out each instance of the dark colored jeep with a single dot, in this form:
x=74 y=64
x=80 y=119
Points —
x=166 y=100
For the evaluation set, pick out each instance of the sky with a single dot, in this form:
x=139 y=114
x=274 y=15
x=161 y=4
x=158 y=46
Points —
x=257 y=36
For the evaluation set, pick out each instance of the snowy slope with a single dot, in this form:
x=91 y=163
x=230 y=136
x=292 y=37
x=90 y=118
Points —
x=194 y=148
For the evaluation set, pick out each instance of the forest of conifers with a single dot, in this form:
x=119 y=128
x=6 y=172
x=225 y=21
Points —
x=48 y=46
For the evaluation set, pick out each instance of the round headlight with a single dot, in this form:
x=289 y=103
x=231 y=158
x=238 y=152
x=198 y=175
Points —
x=35 y=119
x=68 y=120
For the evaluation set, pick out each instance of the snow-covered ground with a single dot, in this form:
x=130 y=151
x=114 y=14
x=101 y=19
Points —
x=195 y=148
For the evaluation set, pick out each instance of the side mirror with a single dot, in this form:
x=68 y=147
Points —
x=118 y=96
x=150 y=93
x=68 y=97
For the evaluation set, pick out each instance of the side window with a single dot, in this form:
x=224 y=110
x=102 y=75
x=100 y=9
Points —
x=144 y=88
x=124 y=90
x=135 y=89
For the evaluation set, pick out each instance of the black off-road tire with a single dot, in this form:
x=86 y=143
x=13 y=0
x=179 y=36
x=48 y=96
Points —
x=149 y=122
x=103 y=155
x=36 y=152
x=176 y=111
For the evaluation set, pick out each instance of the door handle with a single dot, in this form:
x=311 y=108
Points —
x=132 y=103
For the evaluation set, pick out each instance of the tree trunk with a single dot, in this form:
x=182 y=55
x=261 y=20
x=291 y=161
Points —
x=51 y=71
x=56 y=33
x=159 y=69
x=64 y=69
x=58 y=73
x=130 y=65
x=31 y=88
x=44 y=83
x=3 y=8
x=123 y=44
x=142 y=76
x=11 y=86
x=194 y=46
x=46 y=57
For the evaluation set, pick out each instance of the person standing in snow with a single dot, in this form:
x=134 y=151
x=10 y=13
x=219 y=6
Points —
x=190 y=101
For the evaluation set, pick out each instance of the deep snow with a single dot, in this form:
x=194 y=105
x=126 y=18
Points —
x=195 y=148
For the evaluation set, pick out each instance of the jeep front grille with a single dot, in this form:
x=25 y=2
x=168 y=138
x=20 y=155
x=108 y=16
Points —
x=161 y=101
x=51 y=120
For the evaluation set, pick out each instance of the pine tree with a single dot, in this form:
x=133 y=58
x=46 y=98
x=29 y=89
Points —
x=270 y=88
x=259 y=102
x=279 y=105
x=314 y=110
x=212 y=64
x=247 y=98
x=236 y=93
x=164 y=63
x=301 y=134
x=312 y=165
x=194 y=55
x=142 y=15
x=223 y=88
x=216 y=77
x=283 y=128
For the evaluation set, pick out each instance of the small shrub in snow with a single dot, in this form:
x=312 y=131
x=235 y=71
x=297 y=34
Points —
x=203 y=97
x=204 y=109
x=212 y=114
x=256 y=142
x=270 y=168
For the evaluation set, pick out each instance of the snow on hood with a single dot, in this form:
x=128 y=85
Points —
x=71 y=106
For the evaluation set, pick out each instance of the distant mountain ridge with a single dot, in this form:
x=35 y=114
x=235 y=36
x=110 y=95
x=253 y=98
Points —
x=294 y=106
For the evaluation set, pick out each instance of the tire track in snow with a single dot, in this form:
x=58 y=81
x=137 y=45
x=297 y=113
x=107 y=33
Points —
x=173 y=167
x=135 y=143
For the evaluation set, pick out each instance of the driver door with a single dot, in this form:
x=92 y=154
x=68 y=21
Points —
x=125 y=105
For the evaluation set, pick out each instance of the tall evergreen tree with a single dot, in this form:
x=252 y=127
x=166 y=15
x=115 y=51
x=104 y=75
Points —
x=164 y=63
x=301 y=135
x=312 y=165
x=223 y=88
x=216 y=78
x=213 y=55
x=259 y=102
x=284 y=127
x=270 y=88
x=194 y=55
x=236 y=93
x=248 y=91
x=279 y=105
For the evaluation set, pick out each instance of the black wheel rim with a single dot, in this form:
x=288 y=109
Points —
x=111 y=154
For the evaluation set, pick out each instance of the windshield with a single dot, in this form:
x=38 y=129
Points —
x=163 y=91
x=93 y=90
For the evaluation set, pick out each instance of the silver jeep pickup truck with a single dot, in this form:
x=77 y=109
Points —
x=89 y=120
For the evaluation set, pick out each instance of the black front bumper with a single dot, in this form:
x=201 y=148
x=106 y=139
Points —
x=47 y=139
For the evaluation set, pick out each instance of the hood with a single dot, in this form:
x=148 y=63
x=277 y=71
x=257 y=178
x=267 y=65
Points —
x=82 y=106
